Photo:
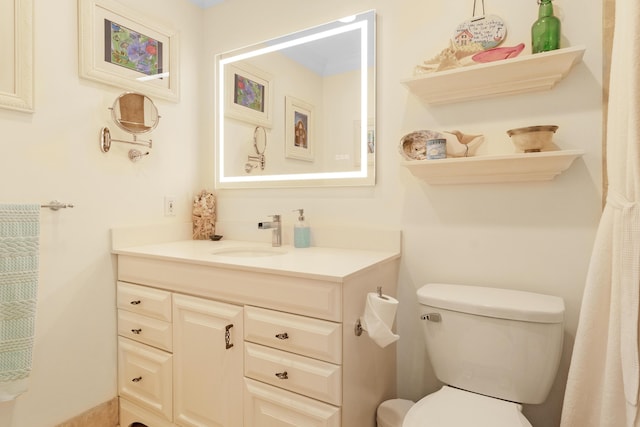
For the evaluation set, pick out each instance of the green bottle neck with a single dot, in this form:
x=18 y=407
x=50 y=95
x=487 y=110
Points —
x=545 y=9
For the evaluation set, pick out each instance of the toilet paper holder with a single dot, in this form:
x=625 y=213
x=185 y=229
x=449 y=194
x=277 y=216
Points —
x=358 y=329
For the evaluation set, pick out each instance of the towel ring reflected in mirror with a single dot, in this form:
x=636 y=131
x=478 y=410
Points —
x=136 y=114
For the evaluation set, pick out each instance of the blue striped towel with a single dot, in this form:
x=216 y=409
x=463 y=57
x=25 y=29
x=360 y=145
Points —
x=19 y=240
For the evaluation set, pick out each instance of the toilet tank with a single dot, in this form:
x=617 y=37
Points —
x=497 y=342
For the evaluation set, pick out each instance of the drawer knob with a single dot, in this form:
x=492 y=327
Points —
x=135 y=302
x=137 y=379
x=136 y=331
x=282 y=375
x=282 y=336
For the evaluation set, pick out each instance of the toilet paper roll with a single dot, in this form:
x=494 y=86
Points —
x=379 y=315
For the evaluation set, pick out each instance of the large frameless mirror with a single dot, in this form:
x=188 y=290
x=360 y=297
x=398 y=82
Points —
x=310 y=98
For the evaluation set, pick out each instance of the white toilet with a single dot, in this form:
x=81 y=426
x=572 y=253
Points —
x=492 y=348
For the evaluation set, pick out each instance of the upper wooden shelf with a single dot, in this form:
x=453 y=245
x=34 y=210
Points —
x=506 y=77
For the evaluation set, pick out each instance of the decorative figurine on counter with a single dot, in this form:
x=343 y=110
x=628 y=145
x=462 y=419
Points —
x=204 y=216
x=545 y=32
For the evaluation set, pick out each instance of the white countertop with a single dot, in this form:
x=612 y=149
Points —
x=323 y=263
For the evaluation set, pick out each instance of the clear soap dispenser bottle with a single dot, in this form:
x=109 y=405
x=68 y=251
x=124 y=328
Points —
x=301 y=231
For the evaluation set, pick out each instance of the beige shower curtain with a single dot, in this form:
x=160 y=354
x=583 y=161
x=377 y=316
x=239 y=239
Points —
x=603 y=382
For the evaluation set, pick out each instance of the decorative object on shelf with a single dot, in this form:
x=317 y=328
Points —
x=462 y=145
x=450 y=57
x=545 y=32
x=533 y=139
x=436 y=149
x=134 y=113
x=413 y=146
x=498 y=53
x=484 y=32
x=471 y=37
x=259 y=159
x=203 y=216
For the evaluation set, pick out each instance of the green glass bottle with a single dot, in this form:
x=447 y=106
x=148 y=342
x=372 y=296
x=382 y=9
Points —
x=545 y=32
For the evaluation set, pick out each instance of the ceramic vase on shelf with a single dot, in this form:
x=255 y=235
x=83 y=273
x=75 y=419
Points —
x=545 y=32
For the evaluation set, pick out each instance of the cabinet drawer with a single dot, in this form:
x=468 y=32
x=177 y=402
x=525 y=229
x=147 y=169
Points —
x=145 y=329
x=269 y=406
x=145 y=376
x=130 y=414
x=311 y=337
x=311 y=377
x=146 y=301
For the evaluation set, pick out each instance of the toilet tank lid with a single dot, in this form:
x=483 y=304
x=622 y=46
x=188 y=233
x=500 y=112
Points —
x=493 y=302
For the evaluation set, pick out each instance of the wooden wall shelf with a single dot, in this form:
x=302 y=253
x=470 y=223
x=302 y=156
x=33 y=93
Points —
x=519 y=167
x=522 y=74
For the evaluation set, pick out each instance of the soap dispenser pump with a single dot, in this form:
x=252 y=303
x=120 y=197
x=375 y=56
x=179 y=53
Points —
x=301 y=231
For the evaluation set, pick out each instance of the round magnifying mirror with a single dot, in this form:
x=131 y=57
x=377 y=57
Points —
x=259 y=140
x=135 y=113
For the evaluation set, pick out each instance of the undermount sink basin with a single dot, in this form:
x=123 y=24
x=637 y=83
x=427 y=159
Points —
x=249 y=251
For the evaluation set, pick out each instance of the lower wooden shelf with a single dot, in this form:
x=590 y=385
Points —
x=519 y=167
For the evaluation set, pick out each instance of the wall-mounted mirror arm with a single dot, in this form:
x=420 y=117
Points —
x=106 y=140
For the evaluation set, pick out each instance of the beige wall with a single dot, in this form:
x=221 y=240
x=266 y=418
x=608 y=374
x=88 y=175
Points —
x=54 y=154
x=533 y=236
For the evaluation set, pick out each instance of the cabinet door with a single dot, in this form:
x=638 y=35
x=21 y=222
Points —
x=207 y=352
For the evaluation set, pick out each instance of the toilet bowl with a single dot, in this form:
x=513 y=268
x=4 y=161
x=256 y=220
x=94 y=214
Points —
x=454 y=407
x=492 y=348
x=391 y=413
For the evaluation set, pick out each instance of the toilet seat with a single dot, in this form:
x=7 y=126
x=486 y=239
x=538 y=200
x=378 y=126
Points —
x=452 y=407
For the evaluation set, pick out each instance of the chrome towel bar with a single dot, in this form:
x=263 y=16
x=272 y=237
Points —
x=55 y=205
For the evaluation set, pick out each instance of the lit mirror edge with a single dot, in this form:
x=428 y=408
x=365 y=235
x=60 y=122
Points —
x=365 y=176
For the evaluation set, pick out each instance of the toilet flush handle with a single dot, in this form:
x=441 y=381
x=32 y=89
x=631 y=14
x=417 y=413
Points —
x=432 y=317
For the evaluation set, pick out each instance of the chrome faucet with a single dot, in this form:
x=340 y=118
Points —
x=275 y=226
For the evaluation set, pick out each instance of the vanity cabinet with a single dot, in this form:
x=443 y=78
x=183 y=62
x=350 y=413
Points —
x=179 y=359
x=255 y=347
